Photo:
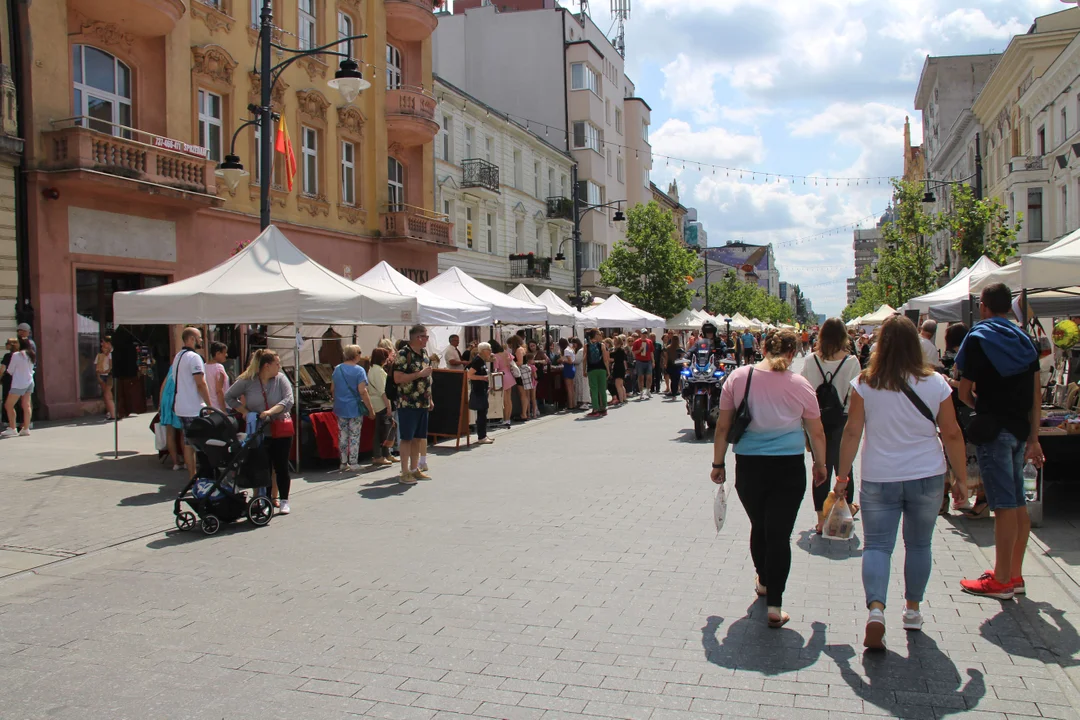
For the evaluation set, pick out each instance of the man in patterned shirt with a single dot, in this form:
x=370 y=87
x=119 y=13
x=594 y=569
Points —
x=412 y=375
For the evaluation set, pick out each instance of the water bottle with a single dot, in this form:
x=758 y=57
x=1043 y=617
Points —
x=1031 y=481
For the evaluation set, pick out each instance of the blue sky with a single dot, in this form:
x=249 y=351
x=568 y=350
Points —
x=798 y=87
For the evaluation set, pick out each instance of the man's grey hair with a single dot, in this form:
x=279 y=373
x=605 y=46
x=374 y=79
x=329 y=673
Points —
x=416 y=330
x=930 y=327
x=482 y=347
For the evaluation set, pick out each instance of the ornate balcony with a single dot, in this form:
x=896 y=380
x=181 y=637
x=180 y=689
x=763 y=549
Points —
x=410 y=116
x=405 y=222
x=560 y=208
x=530 y=266
x=145 y=18
x=132 y=155
x=411 y=20
x=479 y=174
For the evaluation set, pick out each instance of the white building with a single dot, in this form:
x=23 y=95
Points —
x=559 y=75
x=495 y=179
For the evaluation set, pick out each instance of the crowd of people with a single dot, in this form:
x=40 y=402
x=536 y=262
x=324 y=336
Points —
x=913 y=418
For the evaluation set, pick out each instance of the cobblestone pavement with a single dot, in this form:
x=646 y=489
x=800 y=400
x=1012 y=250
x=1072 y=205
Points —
x=571 y=569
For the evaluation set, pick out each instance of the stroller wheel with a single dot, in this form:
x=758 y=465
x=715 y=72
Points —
x=185 y=520
x=211 y=524
x=260 y=510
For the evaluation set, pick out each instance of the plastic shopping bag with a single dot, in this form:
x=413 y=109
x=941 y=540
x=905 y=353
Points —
x=161 y=437
x=839 y=523
x=720 y=507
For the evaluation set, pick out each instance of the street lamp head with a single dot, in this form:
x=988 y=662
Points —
x=232 y=171
x=928 y=197
x=348 y=80
x=620 y=221
x=560 y=257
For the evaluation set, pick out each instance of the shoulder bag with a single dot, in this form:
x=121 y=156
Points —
x=742 y=415
x=282 y=424
x=919 y=404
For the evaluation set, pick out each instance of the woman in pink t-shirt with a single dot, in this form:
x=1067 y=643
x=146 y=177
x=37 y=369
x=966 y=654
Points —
x=770 y=469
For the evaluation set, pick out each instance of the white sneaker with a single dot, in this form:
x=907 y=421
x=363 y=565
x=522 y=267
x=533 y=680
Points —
x=913 y=619
x=9 y=433
x=24 y=433
x=875 y=631
x=283 y=508
x=353 y=468
x=342 y=467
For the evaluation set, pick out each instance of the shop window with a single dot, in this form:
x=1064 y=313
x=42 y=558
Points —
x=210 y=128
x=309 y=151
x=102 y=91
x=395 y=185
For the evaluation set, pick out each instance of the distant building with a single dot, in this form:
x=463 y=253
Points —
x=914 y=159
x=670 y=201
x=788 y=294
x=866 y=244
x=693 y=231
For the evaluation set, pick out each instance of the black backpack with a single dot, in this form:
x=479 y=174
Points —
x=832 y=407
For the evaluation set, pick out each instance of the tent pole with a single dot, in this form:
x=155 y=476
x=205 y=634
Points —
x=116 y=422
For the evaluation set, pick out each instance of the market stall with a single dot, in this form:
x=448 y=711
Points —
x=957 y=289
x=686 y=320
x=617 y=313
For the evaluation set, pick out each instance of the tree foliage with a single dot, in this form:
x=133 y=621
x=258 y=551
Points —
x=730 y=296
x=979 y=227
x=651 y=268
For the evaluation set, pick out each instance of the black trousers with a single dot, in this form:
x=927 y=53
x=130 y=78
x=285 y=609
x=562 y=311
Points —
x=833 y=437
x=771 y=489
x=482 y=422
x=278 y=450
x=382 y=432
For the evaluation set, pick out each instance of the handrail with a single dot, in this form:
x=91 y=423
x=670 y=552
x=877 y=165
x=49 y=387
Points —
x=82 y=122
x=418 y=89
x=413 y=209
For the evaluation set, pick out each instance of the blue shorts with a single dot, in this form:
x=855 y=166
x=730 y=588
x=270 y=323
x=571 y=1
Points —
x=1001 y=463
x=186 y=423
x=643 y=367
x=412 y=424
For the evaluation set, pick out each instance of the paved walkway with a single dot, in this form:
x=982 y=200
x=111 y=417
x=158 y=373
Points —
x=571 y=569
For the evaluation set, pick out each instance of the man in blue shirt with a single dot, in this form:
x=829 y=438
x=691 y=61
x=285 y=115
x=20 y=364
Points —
x=748 y=347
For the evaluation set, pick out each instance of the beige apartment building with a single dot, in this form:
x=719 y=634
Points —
x=578 y=98
x=11 y=147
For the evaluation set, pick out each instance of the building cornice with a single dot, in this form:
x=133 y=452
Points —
x=954 y=140
x=640 y=100
x=1060 y=74
x=1015 y=61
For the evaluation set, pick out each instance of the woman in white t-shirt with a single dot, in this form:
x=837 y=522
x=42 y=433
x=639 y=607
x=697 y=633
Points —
x=901 y=403
x=831 y=363
x=21 y=370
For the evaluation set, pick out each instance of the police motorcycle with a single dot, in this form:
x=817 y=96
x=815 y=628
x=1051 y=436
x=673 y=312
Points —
x=703 y=375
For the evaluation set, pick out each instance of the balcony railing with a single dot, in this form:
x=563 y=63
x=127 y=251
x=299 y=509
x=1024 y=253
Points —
x=530 y=266
x=128 y=153
x=399 y=220
x=410 y=100
x=479 y=174
x=560 y=208
x=1030 y=162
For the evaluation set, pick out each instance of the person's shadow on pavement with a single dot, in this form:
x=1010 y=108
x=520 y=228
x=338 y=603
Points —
x=1058 y=635
x=900 y=685
x=750 y=644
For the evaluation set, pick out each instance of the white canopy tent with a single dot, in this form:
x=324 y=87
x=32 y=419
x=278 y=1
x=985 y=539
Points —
x=740 y=322
x=957 y=289
x=686 y=320
x=269 y=281
x=878 y=317
x=432 y=309
x=460 y=287
x=559 y=308
x=1056 y=267
x=617 y=313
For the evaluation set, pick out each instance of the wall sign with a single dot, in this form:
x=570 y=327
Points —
x=417 y=276
x=182 y=147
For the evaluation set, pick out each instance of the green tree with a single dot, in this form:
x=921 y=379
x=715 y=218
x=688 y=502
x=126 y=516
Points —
x=730 y=296
x=980 y=227
x=651 y=269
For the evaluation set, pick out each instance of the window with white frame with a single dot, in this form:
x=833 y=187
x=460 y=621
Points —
x=102 y=87
x=344 y=30
x=551 y=182
x=519 y=171
x=448 y=209
x=393 y=67
x=1064 y=215
x=256 y=12
x=395 y=185
x=210 y=128
x=620 y=168
x=1034 y=215
x=588 y=137
x=446 y=139
x=618 y=120
x=489 y=148
x=562 y=186
x=645 y=131
x=610 y=163
x=607 y=111
x=519 y=236
x=348 y=173
x=490 y=228
x=648 y=180
x=583 y=77
x=469 y=143
x=537 y=172
x=307 y=26
x=539 y=242
x=309 y=151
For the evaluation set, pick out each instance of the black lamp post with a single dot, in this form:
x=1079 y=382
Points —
x=348 y=80
x=928 y=196
x=580 y=209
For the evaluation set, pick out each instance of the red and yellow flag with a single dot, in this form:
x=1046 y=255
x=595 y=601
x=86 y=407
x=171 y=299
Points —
x=283 y=145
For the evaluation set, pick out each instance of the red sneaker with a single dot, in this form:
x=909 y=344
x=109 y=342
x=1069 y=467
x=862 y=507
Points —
x=988 y=586
x=1017 y=583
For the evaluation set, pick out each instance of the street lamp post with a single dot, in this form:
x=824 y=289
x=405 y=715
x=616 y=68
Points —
x=580 y=210
x=348 y=80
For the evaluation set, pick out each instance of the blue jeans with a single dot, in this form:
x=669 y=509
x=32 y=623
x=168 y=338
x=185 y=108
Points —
x=1001 y=463
x=918 y=501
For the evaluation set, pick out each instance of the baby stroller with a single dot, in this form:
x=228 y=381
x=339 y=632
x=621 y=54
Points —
x=227 y=464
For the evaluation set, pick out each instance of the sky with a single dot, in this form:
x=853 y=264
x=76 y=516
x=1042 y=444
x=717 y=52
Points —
x=795 y=87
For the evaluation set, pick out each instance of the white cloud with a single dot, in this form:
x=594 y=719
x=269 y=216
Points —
x=689 y=86
x=676 y=138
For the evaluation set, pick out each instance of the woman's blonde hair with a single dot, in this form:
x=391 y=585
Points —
x=351 y=352
x=898 y=356
x=779 y=347
x=386 y=344
x=259 y=360
x=619 y=341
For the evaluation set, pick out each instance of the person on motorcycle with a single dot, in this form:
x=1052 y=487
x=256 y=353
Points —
x=710 y=340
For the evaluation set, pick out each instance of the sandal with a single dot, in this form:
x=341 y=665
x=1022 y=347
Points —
x=977 y=511
x=759 y=588
x=778 y=620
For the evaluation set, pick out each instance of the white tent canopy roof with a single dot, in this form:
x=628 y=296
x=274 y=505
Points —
x=956 y=289
x=560 y=312
x=1057 y=266
x=459 y=286
x=269 y=281
x=686 y=320
x=741 y=322
x=878 y=317
x=617 y=313
x=433 y=309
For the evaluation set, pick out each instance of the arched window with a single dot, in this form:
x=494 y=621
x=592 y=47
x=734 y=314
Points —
x=393 y=67
x=102 y=86
x=395 y=185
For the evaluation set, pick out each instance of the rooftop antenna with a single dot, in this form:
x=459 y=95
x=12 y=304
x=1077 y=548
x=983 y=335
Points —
x=620 y=10
x=583 y=11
